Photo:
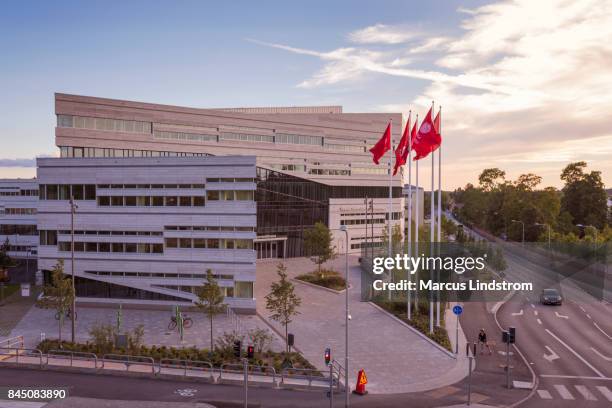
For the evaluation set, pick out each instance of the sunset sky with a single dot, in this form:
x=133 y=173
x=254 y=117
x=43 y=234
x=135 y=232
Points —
x=524 y=85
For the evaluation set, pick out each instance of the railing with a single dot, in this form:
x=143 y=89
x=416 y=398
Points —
x=73 y=355
x=185 y=365
x=340 y=372
x=302 y=373
x=129 y=360
x=234 y=319
x=236 y=368
x=12 y=342
x=16 y=352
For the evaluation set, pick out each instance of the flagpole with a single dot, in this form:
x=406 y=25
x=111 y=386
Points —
x=432 y=226
x=416 y=230
x=439 y=207
x=409 y=237
x=390 y=199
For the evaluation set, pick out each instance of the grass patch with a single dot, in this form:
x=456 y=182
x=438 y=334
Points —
x=420 y=320
x=327 y=278
x=218 y=357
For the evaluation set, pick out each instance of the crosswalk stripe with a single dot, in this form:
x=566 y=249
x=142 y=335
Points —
x=563 y=391
x=544 y=394
x=584 y=391
x=605 y=391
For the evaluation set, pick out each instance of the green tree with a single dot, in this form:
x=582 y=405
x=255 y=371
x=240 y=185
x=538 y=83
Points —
x=584 y=195
x=210 y=301
x=318 y=244
x=5 y=262
x=58 y=294
x=282 y=302
x=396 y=238
x=491 y=179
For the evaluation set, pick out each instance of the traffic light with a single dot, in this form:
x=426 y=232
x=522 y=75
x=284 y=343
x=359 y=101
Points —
x=291 y=339
x=250 y=351
x=327 y=356
x=237 y=348
x=511 y=335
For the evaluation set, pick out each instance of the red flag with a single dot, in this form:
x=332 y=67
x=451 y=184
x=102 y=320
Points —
x=401 y=152
x=437 y=124
x=427 y=139
x=382 y=146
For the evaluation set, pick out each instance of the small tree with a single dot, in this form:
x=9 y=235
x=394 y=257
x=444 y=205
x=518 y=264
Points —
x=318 y=244
x=58 y=294
x=210 y=301
x=5 y=263
x=282 y=301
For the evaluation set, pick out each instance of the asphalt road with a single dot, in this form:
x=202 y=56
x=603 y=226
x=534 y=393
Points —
x=569 y=346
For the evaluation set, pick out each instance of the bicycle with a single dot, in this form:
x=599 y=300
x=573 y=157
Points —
x=187 y=323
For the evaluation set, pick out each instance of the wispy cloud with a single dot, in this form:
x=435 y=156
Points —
x=528 y=82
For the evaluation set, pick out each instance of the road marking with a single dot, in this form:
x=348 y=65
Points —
x=601 y=330
x=539 y=321
x=575 y=377
x=601 y=355
x=605 y=391
x=503 y=353
x=582 y=308
x=544 y=394
x=535 y=312
x=561 y=316
x=584 y=391
x=564 y=392
x=518 y=314
x=532 y=305
x=589 y=316
x=552 y=356
x=596 y=371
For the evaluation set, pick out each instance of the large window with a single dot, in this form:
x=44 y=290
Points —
x=244 y=137
x=18 y=229
x=298 y=139
x=65 y=191
x=113 y=125
x=243 y=289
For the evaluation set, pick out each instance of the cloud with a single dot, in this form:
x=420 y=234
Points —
x=382 y=34
x=526 y=85
x=17 y=162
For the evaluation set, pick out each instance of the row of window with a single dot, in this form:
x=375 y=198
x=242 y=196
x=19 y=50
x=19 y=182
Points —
x=345 y=148
x=88 y=152
x=162 y=134
x=363 y=221
x=154 y=201
x=240 y=289
x=49 y=237
x=22 y=248
x=112 y=125
x=366 y=245
x=206 y=228
x=245 y=137
x=330 y=172
x=18 y=211
x=65 y=191
x=11 y=229
x=26 y=193
x=118 y=247
x=230 y=195
x=211 y=243
x=148 y=186
x=160 y=275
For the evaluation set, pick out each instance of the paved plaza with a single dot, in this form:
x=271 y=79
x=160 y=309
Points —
x=396 y=359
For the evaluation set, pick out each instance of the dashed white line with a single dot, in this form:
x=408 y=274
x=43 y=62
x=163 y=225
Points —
x=605 y=392
x=596 y=371
x=561 y=316
x=601 y=330
x=563 y=391
x=539 y=321
x=589 y=316
x=586 y=394
x=535 y=312
x=532 y=305
x=582 y=308
x=544 y=394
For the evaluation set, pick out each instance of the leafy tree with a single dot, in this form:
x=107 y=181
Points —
x=210 y=301
x=5 y=263
x=261 y=339
x=58 y=294
x=282 y=301
x=584 y=196
x=318 y=244
x=491 y=179
x=396 y=237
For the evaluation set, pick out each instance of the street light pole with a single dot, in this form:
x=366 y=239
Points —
x=523 y=234
x=73 y=208
x=346 y=322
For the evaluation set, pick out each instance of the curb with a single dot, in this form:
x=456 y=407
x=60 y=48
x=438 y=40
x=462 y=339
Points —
x=397 y=319
x=312 y=285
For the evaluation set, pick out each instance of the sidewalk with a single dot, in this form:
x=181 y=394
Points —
x=395 y=358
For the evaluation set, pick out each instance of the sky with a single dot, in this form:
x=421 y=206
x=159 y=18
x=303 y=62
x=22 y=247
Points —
x=524 y=85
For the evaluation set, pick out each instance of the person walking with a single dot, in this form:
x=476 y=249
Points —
x=482 y=340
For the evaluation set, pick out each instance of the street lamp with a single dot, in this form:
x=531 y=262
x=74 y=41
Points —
x=73 y=208
x=346 y=322
x=590 y=226
x=523 y=234
x=545 y=225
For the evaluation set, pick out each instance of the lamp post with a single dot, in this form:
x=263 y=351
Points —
x=548 y=226
x=346 y=318
x=73 y=208
x=523 y=234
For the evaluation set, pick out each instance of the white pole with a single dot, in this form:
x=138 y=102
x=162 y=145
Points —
x=439 y=211
x=416 y=233
x=409 y=237
x=432 y=226
x=389 y=227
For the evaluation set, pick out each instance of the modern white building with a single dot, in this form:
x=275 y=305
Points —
x=146 y=230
